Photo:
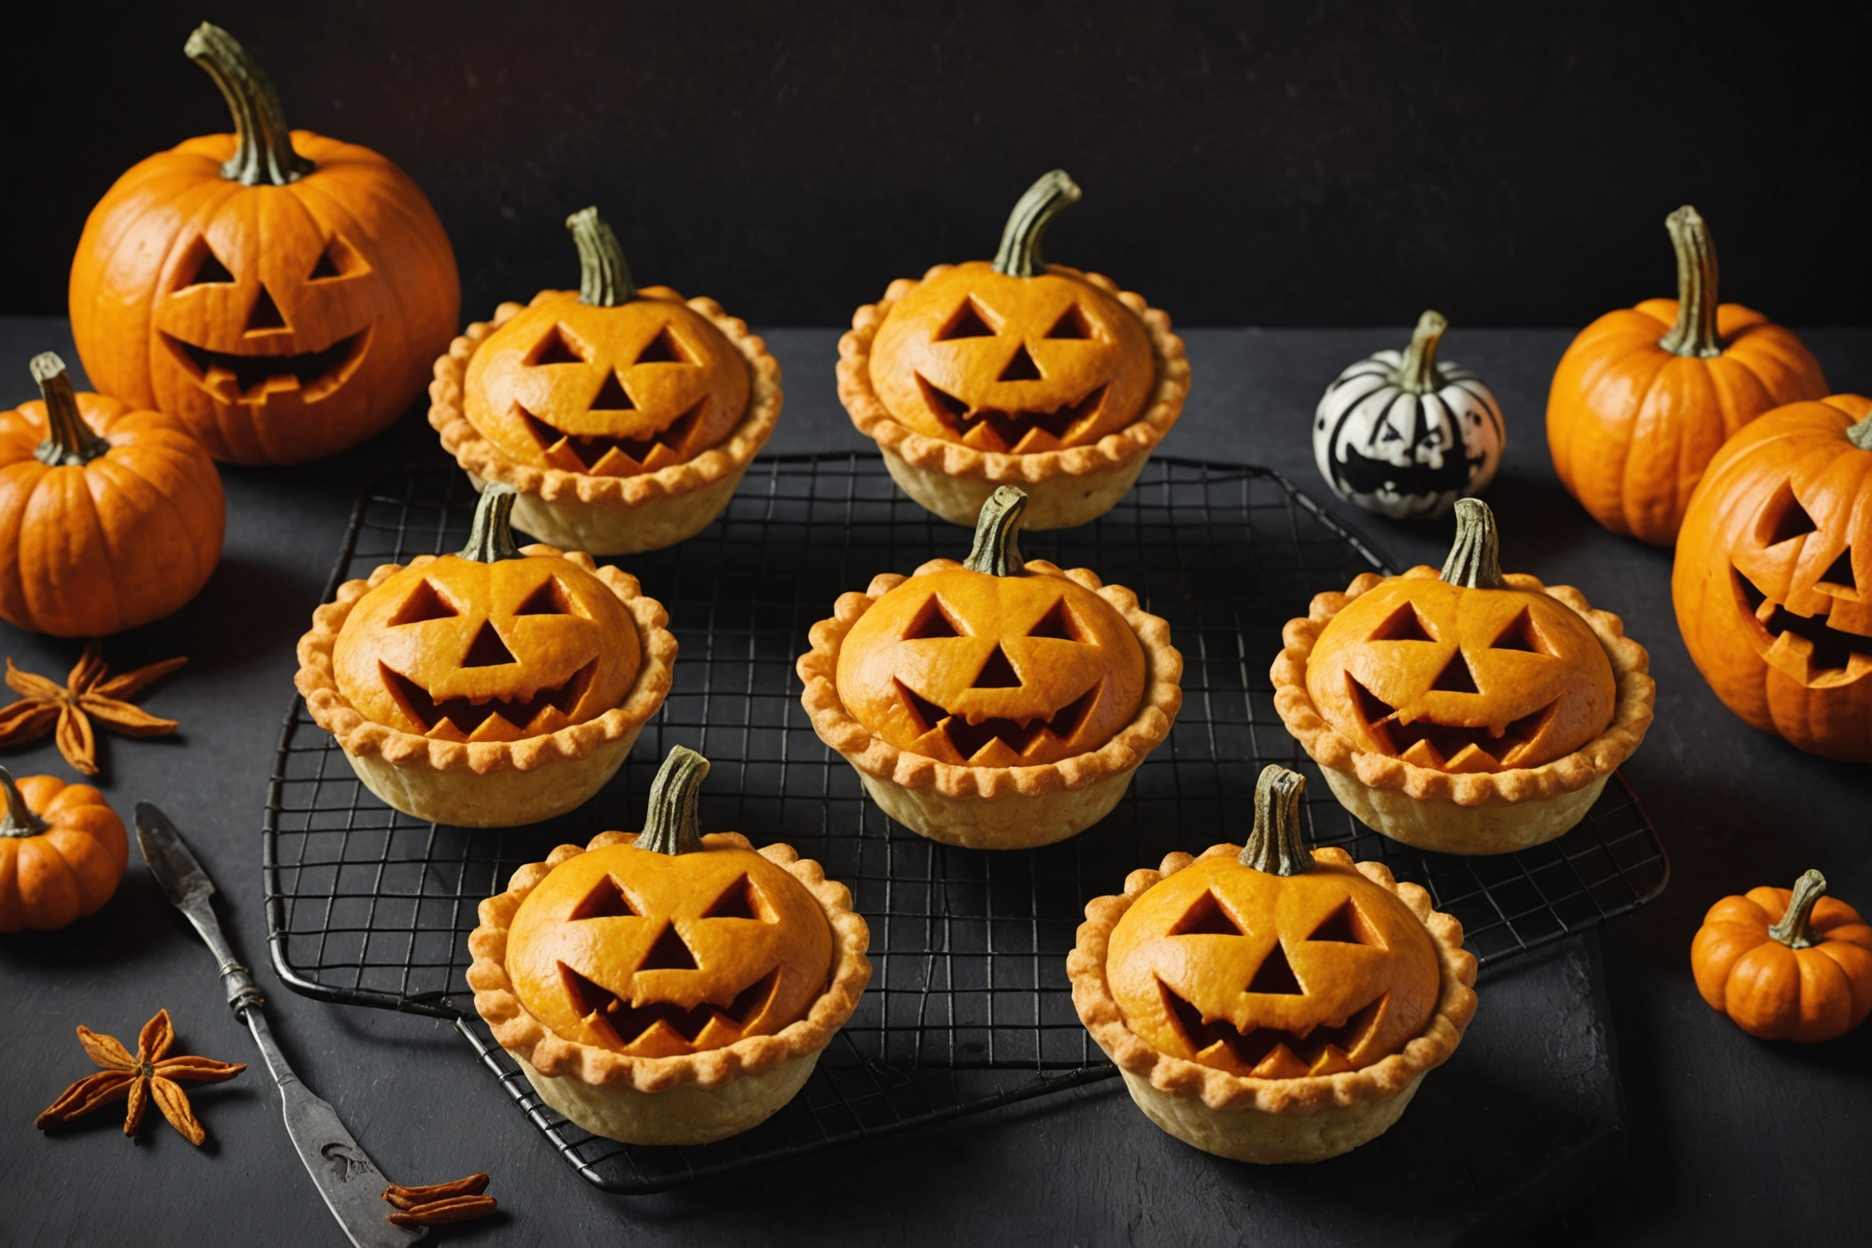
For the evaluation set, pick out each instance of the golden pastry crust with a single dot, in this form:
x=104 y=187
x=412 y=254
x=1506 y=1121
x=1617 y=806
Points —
x=1162 y=405
x=727 y=459
x=1589 y=765
x=550 y=1055
x=1221 y=1090
x=364 y=738
x=875 y=757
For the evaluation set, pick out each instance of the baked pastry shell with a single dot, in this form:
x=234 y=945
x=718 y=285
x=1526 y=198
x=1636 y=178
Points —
x=993 y=807
x=486 y=784
x=1270 y=1120
x=611 y=515
x=1066 y=487
x=1475 y=812
x=691 y=1098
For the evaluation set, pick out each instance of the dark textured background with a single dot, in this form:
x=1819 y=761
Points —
x=1263 y=163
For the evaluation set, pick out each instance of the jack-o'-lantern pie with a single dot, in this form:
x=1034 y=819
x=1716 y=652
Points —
x=996 y=703
x=669 y=987
x=491 y=688
x=1268 y=1004
x=624 y=415
x=1014 y=371
x=1464 y=711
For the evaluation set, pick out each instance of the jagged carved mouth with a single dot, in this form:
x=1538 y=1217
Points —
x=1015 y=736
x=998 y=429
x=1271 y=1052
x=229 y=377
x=1830 y=652
x=601 y=456
x=620 y=1023
x=489 y=719
x=1446 y=747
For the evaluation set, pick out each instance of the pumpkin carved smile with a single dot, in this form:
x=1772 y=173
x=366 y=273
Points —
x=234 y=378
x=1806 y=647
x=492 y=716
x=995 y=429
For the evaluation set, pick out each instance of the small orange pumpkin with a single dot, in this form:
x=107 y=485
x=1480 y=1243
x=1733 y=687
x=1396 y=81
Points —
x=1786 y=965
x=1646 y=395
x=62 y=853
x=109 y=517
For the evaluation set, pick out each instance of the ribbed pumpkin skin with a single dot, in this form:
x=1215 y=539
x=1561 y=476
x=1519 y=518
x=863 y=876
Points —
x=132 y=290
x=128 y=538
x=70 y=870
x=1632 y=425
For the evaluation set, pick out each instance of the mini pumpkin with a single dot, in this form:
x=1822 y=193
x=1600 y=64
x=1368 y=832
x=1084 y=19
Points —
x=1268 y=1003
x=1786 y=965
x=624 y=415
x=493 y=687
x=1014 y=370
x=669 y=987
x=280 y=293
x=62 y=853
x=1773 y=576
x=113 y=517
x=1404 y=434
x=996 y=703
x=1463 y=711
x=1645 y=396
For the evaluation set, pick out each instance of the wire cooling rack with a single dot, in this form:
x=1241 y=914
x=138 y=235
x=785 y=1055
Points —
x=969 y=1006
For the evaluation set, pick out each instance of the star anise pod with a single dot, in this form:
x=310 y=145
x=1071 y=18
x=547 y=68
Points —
x=88 y=694
x=150 y=1074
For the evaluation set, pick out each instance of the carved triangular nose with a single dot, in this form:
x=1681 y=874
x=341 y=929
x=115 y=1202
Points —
x=997 y=673
x=264 y=314
x=487 y=649
x=611 y=397
x=669 y=953
x=1021 y=367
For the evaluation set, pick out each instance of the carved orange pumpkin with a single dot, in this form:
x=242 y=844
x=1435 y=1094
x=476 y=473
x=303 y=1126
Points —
x=673 y=943
x=280 y=293
x=488 y=645
x=1773 y=576
x=1014 y=355
x=62 y=852
x=1277 y=963
x=1464 y=671
x=993 y=662
x=610 y=380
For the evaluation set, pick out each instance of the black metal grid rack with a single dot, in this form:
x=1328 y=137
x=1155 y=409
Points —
x=969 y=1006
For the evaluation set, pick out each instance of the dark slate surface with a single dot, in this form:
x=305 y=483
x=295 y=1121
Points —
x=1720 y=1134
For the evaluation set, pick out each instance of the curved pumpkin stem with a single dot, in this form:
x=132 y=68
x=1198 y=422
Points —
x=604 y=278
x=1695 y=330
x=21 y=819
x=673 y=825
x=1475 y=556
x=263 y=150
x=1860 y=435
x=1793 y=930
x=70 y=443
x=1274 y=846
x=490 y=537
x=1019 y=253
x=997 y=531
x=1416 y=372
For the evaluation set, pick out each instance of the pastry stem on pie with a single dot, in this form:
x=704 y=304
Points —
x=1019 y=253
x=673 y=824
x=604 y=278
x=1274 y=845
x=1475 y=556
x=996 y=550
x=490 y=538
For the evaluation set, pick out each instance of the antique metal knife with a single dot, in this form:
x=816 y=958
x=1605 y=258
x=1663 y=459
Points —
x=350 y=1183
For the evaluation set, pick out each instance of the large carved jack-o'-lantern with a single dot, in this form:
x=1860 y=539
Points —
x=280 y=293
x=1773 y=576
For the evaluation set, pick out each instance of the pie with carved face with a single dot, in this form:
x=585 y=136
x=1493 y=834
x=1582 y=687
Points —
x=1014 y=371
x=624 y=415
x=1269 y=1003
x=1464 y=711
x=669 y=987
x=996 y=703
x=491 y=688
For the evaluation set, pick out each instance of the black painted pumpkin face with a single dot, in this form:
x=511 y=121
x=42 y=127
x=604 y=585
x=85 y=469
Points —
x=1806 y=589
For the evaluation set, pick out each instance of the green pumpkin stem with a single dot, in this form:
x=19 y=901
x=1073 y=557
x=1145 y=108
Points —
x=672 y=825
x=69 y=442
x=1695 y=330
x=1275 y=846
x=1793 y=930
x=1019 y=253
x=1475 y=556
x=263 y=150
x=1417 y=372
x=997 y=534
x=1860 y=435
x=604 y=278
x=490 y=537
x=21 y=819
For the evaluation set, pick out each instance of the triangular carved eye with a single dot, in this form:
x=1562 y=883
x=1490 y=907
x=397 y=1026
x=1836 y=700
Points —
x=1784 y=519
x=605 y=901
x=1021 y=367
x=663 y=349
x=1520 y=635
x=328 y=264
x=1275 y=976
x=997 y=673
x=968 y=321
x=932 y=620
x=1071 y=324
x=611 y=397
x=548 y=599
x=1207 y=917
x=1456 y=676
x=1347 y=925
x=487 y=649
x=426 y=602
x=1057 y=622
x=1840 y=572
x=1403 y=624
x=557 y=347
x=740 y=900
x=669 y=953
x=204 y=268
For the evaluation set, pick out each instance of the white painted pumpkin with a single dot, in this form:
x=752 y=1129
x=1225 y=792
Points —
x=1400 y=434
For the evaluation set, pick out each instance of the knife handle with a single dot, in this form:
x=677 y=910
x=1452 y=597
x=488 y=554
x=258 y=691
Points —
x=243 y=993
